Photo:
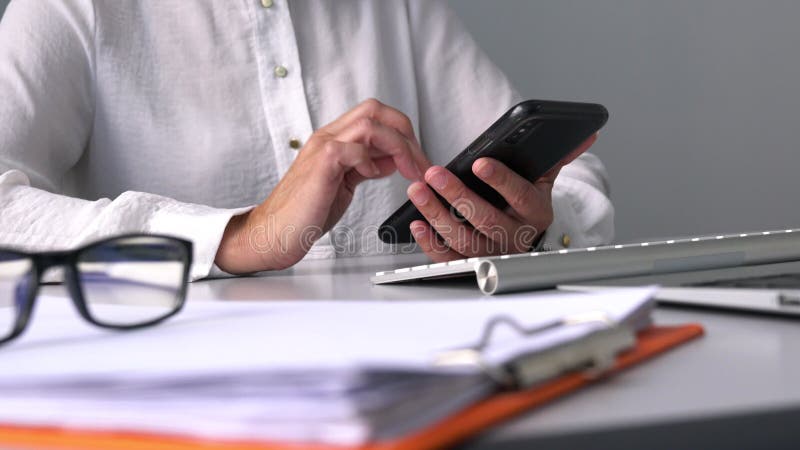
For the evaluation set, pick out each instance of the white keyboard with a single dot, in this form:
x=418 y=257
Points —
x=539 y=270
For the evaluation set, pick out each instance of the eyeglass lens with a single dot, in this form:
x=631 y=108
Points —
x=132 y=281
x=16 y=273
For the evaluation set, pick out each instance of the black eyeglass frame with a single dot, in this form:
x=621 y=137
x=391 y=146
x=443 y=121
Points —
x=43 y=261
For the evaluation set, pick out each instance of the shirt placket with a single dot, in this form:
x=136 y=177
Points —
x=283 y=94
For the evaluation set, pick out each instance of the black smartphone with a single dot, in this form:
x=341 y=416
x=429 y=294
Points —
x=531 y=138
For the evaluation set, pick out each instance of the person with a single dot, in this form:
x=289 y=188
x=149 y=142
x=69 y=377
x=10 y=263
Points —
x=243 y=125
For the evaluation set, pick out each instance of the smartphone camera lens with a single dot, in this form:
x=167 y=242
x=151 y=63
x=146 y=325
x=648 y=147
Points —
x=514 y=137
x=519 y=133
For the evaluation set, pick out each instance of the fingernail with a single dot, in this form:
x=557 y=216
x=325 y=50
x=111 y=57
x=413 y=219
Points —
x=418 y=194
x=417 y=229
x=485 y=169
x=375 y=170
x=437 y=178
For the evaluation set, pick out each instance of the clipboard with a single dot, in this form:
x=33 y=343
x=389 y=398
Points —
x=455 y=429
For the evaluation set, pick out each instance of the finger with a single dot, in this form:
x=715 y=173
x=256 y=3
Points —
x=387 y=141
x=375 y=110
x=385 y=165
x=343 y=156
x=552 y=174
x=430 y=243
x=495 y=224
x=530 y=203
x=386 y=115
x=460 y=237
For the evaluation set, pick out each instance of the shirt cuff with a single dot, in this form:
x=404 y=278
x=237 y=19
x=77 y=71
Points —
x=583 y=216
x=202 y=225
x=560 y=234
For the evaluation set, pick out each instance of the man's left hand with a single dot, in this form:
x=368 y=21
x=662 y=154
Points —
x=485 y=229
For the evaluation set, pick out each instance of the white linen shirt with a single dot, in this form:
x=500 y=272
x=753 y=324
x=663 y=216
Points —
x=170 y=116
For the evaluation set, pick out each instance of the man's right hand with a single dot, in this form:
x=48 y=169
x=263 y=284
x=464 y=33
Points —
x=370 y=141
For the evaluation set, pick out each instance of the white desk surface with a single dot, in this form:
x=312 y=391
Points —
x=738 y=385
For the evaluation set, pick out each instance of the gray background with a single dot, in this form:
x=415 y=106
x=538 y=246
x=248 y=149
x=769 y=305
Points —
x=702 y=93
x=703 y=98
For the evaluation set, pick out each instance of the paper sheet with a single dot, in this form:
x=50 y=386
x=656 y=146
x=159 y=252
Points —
x=210 y=338
x=336 y=372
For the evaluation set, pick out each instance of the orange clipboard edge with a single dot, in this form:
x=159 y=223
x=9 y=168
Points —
x=452 y=430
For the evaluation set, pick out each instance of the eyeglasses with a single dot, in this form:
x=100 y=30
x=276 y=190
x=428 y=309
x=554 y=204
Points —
x=122 y=283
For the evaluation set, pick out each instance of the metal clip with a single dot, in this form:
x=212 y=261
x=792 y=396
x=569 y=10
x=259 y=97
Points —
x=595 y=352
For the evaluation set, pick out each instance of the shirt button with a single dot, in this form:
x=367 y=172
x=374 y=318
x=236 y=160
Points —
x=566 y=240
x=267 y=3
x=281 y=71
x=295 y=143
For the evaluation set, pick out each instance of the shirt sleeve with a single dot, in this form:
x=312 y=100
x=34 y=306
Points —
x=462 y=92
x=46 y=116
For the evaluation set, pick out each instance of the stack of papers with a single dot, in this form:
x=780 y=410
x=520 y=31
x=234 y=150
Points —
x=329 y=372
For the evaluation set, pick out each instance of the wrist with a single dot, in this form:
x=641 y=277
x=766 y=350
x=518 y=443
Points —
x=232 y=255
x=250 y=244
